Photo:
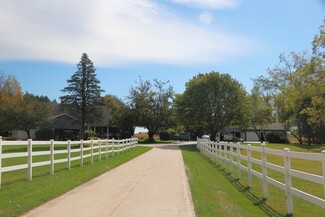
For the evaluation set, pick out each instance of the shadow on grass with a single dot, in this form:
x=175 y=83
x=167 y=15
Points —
x=269 y=211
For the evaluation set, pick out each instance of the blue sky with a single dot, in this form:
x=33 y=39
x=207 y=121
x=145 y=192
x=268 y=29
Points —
x=42 y=41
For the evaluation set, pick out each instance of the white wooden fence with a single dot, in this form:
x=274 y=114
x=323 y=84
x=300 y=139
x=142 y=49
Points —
x=94 y=147
x=230 y=154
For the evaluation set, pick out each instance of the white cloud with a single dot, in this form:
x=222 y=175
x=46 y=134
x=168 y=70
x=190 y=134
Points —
x=206 y=17
x=112 y=33
x=212 y=4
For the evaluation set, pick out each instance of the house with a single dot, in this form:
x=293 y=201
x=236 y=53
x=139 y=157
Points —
x=65 y=127
x=250 y=135
x=21 y=135
x=230 y=134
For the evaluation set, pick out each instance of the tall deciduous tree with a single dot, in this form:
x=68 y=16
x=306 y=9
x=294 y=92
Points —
x=10 y=98
x=211 y=102
x=261 y=110
x=151 y=105
x=119 y=114
x=83 y=94
x=316 y=111
x=285 y=86
x=32 y=113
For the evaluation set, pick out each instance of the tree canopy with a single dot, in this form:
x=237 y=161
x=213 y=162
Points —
x=119 y=114
x=151 y=105
x=211 y=102
x=20 y=111
x=296 y=89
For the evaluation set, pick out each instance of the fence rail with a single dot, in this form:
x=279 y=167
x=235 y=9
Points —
x=91 y=147
x=230 y=154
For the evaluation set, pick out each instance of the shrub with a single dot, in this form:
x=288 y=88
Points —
x=125 y=135
x=89 y=134
x=44 y=134
x=167 y=135
x=276 y=137
x=164 y=135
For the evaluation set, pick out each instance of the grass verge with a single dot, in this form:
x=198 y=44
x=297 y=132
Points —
x=213 y=195
x=216 y=192
x=20 y=196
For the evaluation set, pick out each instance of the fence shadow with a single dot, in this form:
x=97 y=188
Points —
x=259 y=202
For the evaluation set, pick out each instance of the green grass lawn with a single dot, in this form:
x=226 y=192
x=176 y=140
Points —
x=17 y=195
x=216 y=191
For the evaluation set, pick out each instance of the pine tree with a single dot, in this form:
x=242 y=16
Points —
x=83 y=94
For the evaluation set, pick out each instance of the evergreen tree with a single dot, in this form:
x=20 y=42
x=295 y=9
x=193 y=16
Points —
x=83 y=94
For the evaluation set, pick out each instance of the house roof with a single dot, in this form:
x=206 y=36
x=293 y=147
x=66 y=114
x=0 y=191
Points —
x=270 y=127
x=64 y=121
x=274 y=126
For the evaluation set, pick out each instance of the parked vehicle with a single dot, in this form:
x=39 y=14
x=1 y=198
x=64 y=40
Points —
x=185 y=136
x=207 y=137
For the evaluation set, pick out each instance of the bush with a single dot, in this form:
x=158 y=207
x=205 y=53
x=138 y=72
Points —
x=125 y=135
x=167 y=135
x=89 y=134
x=44 y=134
x=276 y=137
x=149 y=140
x=164 y=135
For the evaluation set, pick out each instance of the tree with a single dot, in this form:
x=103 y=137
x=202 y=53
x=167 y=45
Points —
x=10 y=97
x=261 y=111
x=83 y=94
x=211 y=102
x=317 y=88
x=33 y=112
x=20 y=111
x=285 y=86
x=119 y=114
x=151 y=105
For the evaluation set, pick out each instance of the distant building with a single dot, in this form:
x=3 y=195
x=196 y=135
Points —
x=65 y=127
x=230 y=134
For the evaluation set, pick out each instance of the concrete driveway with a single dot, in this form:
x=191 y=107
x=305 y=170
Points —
x=153 y=184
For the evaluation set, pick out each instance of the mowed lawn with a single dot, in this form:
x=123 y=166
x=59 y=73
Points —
x=217 y=192
x=18 y=195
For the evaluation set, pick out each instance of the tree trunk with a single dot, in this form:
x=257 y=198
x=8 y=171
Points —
x=150 y=134
x=256 y=132
x=28 y=133
x=309 y=140
x=298 y=138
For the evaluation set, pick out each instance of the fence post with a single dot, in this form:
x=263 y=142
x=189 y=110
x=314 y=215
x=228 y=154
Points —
x=106 y=148
x=238 y=161
x=288 y=182
x=264 y=172
x=214 y=158
x=99 y=150
x=0 y=159
x=69 y=154
x=52 y=156
x=323 y=152
x=91 y=151
x=30 y=160
x=225 y=156
x=113 y=143
x=249 y=165
x=231 y=156
x=118 y=147
x=217 y=154
x=81 y=152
